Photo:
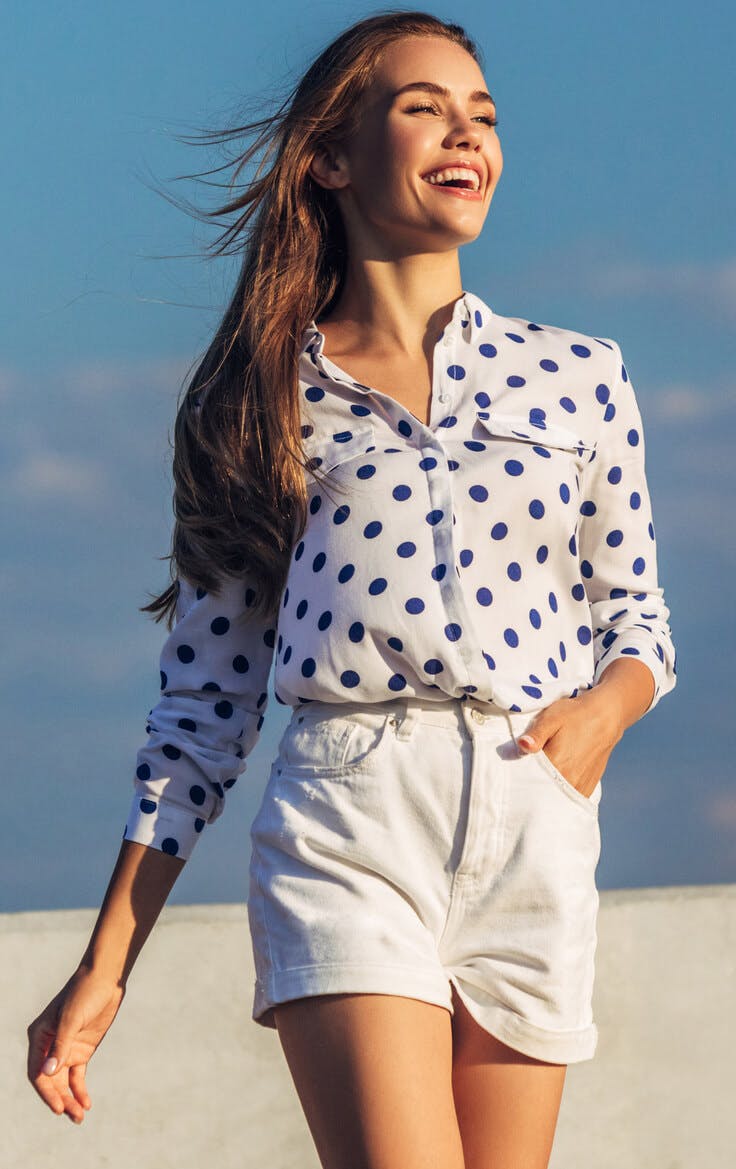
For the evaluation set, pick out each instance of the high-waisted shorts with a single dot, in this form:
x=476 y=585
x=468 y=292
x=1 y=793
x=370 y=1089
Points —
x=406 y=845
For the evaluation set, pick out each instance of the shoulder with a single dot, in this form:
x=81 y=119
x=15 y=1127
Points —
x=562 y=346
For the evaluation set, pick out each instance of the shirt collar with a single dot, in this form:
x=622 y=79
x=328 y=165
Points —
x=469 y=315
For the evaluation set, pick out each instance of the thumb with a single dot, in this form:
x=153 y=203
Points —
x=533 y=736
x=58 y=1054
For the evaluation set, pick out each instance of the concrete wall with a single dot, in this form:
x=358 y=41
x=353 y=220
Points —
x=185 y=1078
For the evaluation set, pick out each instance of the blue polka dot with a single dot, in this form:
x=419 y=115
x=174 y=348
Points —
x=371 y=530
x=219 y=626
x=614 y=538
x=401 y=491
x=197 y=794
x=185 y=654
x=453 y=632
x=377 y=586
x=433 y=666
x=350 y=679
x=456 y=372
x=549 y=365
x=356 y=631
x=584 y=635
x=414 y=605
x=535 y=618
x=513 y=467
x=407 y=548
x=498 y=531
x=169 y=845
x=484 y=596
x=514 y=570
x=580 y=350
x=511 y=637
x=639 y=565
x=487 y=350
x=478 y=493
x=536 y=509
x=397 y=682
x=147 y=806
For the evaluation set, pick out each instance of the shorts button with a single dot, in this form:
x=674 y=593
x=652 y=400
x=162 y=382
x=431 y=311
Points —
x=475 y=713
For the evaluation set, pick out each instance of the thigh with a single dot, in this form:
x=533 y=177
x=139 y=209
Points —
x=373 y=1073
x=506 y=1103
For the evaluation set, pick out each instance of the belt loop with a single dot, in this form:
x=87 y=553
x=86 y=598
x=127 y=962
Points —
x=407 y=716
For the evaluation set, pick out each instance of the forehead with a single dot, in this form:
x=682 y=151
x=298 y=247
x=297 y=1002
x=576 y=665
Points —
x=415 y=57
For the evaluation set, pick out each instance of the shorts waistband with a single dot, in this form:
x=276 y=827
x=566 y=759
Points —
x=410 y=709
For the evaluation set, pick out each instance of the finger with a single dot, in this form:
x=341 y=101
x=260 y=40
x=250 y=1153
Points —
x=74 y=1111
x=78 y=1086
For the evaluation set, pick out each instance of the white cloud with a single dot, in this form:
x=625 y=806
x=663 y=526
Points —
x=44 y=473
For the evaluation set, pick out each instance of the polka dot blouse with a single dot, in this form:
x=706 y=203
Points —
x=506 y=550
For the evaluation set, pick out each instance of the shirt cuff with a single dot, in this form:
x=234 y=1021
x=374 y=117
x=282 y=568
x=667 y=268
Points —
x=160 y=824
x=639 y=648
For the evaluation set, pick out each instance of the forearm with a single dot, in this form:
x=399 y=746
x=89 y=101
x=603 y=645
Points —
x=137 y=891
x=627 y=687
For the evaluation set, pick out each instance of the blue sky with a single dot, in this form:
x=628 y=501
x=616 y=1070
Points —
x=614 y=216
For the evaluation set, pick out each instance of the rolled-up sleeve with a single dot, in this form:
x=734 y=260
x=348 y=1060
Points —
x=618 y=549
x=214 y=670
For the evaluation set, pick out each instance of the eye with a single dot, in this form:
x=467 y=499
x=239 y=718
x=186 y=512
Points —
x=433 y=109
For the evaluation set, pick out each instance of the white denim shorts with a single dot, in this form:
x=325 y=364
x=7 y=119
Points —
x=406 y=845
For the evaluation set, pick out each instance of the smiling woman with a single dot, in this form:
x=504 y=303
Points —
x=433 y=521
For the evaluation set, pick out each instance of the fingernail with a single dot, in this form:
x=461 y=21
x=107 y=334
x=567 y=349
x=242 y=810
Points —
x=49 y=1067
x=527 y=741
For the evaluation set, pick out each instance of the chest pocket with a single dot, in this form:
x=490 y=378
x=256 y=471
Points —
x=329 y=451
x=519 y=428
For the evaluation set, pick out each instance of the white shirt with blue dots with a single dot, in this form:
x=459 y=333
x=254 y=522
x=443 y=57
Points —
x=505 y=551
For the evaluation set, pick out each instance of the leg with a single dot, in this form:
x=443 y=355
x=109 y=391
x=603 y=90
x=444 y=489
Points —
x=507 y=1103
x=374 y=1076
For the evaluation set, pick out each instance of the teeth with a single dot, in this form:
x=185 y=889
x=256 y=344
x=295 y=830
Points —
x=444 y=176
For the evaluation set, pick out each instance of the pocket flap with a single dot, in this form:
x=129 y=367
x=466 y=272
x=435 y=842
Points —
x=526 y=429
x=329 y=451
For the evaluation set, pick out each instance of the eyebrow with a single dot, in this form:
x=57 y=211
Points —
x=432 y=87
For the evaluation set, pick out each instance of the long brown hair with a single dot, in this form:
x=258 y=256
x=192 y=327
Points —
x=240 y=498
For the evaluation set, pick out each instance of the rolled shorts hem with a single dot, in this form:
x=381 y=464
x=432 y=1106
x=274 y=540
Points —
x=528 y=1038
x=363 y=978
x=355 y=978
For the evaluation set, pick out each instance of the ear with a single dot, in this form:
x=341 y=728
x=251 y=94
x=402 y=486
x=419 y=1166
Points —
x=329 y=168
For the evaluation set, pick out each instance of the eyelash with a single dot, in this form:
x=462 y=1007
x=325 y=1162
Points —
x=427 y=106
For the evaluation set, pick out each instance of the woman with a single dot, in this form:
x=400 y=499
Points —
x=435 y=518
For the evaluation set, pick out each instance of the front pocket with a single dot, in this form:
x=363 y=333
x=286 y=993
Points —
x=524 y=429
x=327 y=745
x=590 y=803
x=329 y=451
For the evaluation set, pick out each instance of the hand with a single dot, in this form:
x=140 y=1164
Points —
x=69 y=1030
x=578 y=735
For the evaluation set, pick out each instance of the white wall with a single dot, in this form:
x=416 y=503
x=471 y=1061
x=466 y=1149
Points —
x=185 y=1078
